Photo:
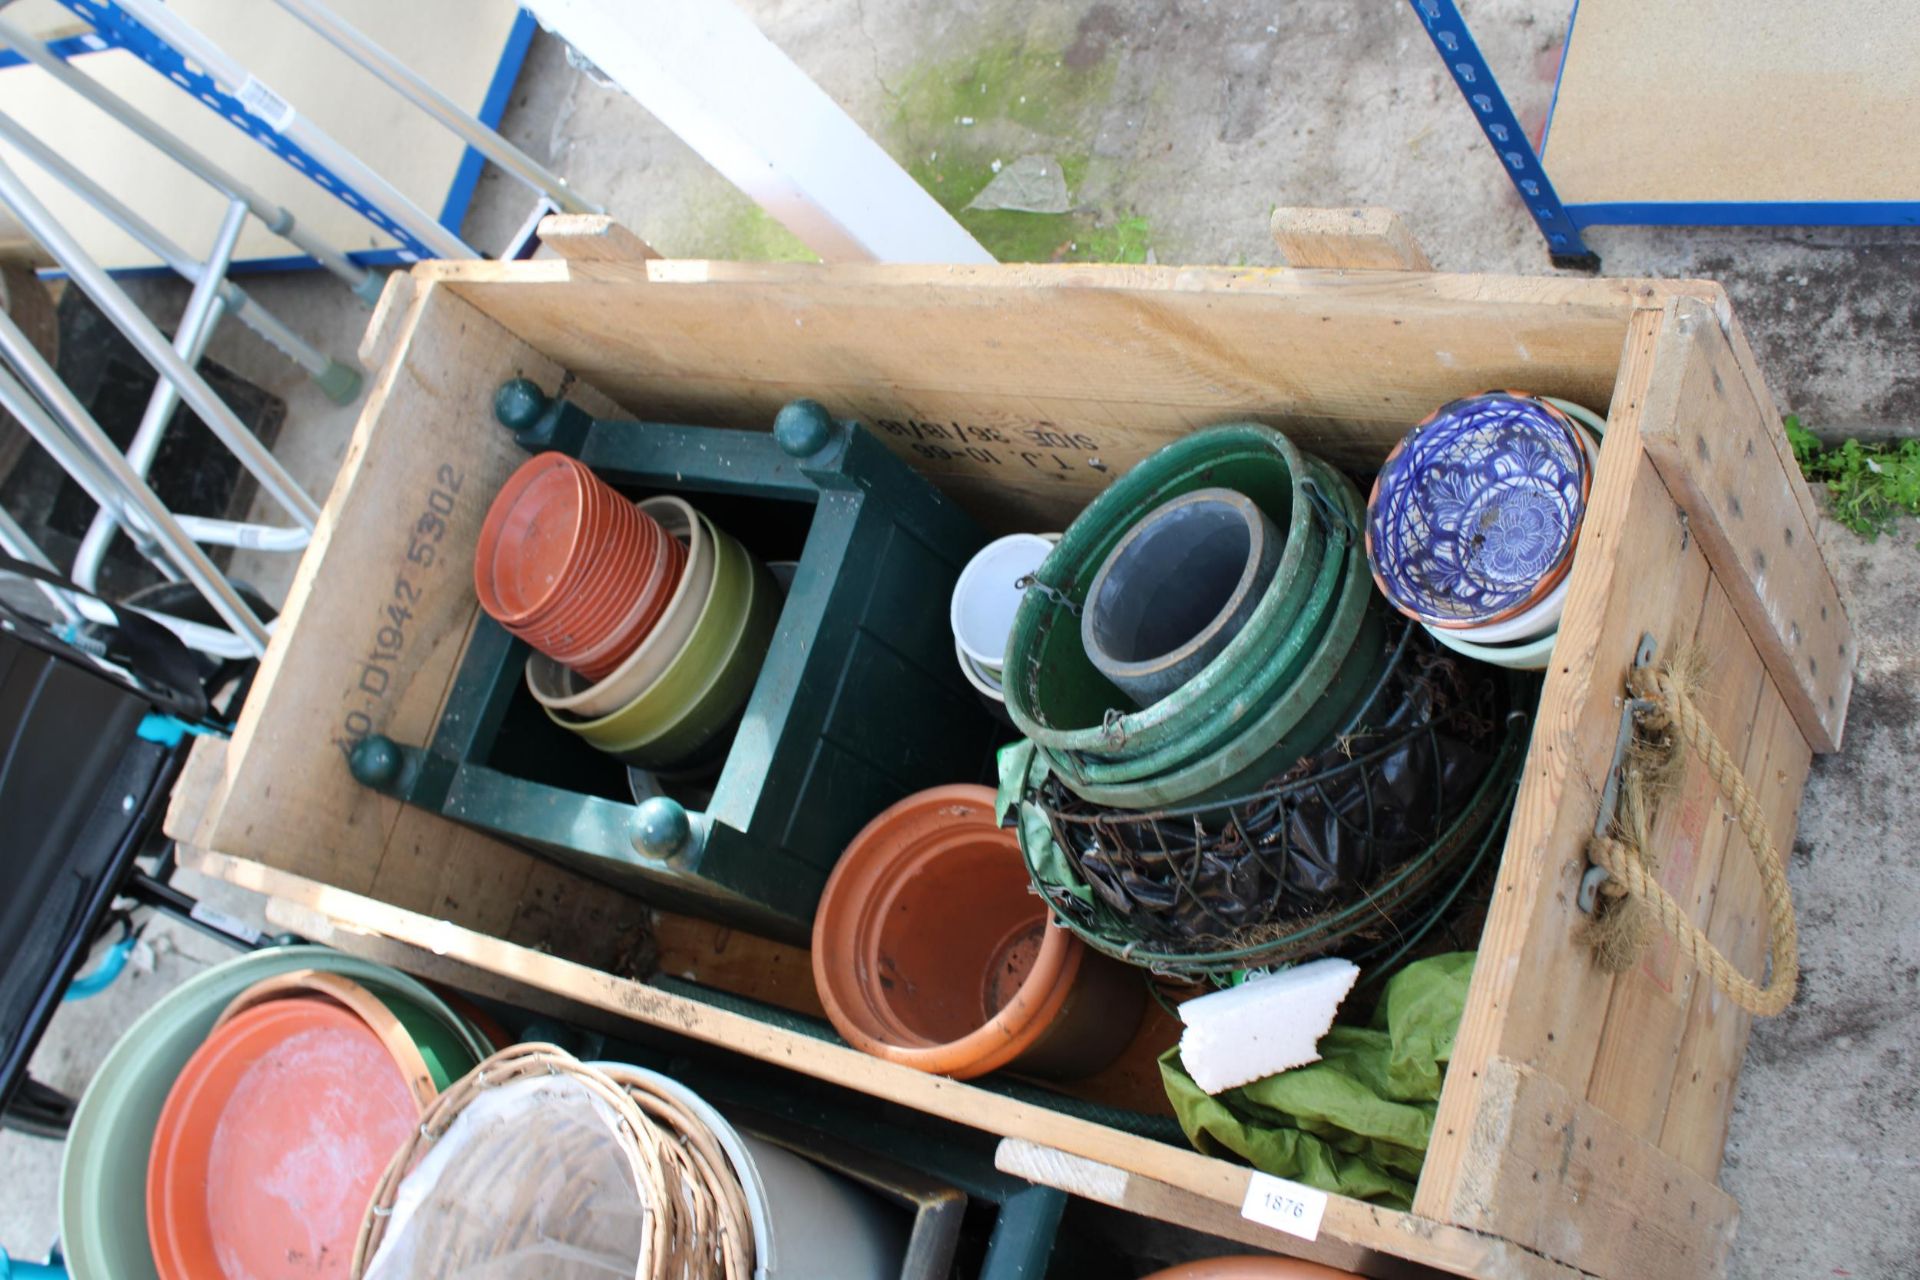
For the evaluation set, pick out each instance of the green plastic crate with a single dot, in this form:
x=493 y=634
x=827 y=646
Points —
x=859 y=703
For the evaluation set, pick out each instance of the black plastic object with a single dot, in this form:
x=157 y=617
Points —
x=193 y=473
x=156 y=662
x=78 y=791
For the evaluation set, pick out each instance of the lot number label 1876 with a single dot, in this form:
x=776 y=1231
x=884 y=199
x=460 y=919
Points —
x=1289 y=1206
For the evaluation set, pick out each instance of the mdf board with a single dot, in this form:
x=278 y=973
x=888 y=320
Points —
x=1717 y=109
x=1582 y=1118
x=468 y=49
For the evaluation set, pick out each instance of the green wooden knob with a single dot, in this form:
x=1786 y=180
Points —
x=519 y=403
x=802 y=427
x=376 y=761
x=661 y=827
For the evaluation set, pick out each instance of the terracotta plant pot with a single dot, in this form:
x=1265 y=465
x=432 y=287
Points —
x=929 y=950
x=1251 y=1268
x=708 y=679
x=664 y=570
x=271 y=1142
x=573 y=568
x=561 y=690
x=427 y=1050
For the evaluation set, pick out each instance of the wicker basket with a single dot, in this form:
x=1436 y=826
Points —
x=694 y=1212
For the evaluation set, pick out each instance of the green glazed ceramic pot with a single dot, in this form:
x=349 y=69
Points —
x=667 y=701
x=725 y=693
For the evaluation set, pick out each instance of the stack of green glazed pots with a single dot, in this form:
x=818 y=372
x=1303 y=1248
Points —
x=1304 y=661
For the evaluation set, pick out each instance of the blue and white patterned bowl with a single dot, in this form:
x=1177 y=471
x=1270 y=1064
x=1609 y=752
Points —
x=1475 y=514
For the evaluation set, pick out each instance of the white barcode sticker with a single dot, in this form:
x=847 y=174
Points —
x=265 y=105
x=1289 y=1206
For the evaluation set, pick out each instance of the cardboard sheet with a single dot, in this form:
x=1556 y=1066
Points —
x=1738 y=102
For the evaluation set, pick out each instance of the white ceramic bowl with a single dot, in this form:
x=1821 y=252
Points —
x=987 y=684
x=559 y=688
x=1531 y=656
x=985 y=598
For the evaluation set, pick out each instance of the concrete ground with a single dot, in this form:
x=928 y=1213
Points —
x=1179 y=124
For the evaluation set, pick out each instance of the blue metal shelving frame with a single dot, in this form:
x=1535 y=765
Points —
x=1560 y=222
x=1468 y=67
x=115 y=28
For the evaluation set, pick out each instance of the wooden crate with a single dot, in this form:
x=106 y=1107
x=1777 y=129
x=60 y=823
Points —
x=1584 y=1114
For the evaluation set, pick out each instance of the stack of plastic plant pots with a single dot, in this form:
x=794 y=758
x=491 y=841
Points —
x=239 y=1126
x=649 y=623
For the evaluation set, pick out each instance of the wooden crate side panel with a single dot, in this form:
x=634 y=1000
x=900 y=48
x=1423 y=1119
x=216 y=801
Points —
x=1538 y=1001
x=1717 y=447
x=370 y=638
x=1046 y=383
x=1646 y=1014
x=1700 y=1103
x=1574 y=1184
x=1537 y=998
x=444 y=950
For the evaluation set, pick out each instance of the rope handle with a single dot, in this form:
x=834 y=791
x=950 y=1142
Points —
x=1632 y=877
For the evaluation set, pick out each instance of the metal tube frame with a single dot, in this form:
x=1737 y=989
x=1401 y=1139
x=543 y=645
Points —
x=412 y=86
x=119 y=487
x=196 y=326
x=15 y=542
x=236 y=300
x=365 y=284
x=140 y=331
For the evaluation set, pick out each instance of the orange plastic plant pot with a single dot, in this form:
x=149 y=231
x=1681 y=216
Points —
x=270 y=1144
x=530 y=536
x=598 y=584
x=929 y=950
x=649 y=602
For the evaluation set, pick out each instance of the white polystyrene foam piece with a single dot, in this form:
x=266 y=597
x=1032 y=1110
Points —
x=1264 y=1026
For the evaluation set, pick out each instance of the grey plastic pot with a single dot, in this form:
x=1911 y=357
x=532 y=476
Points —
x=808 y=1222
x=1341 y=671
x=1177 y=589
x=1053 y=691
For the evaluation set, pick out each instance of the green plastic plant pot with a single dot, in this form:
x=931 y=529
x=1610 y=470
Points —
x=725 y=693
x=1269 y=676
x=1053 y=691
x=664 y=703
x=103 y=1173
x=1347 y=654
x=446 y=1050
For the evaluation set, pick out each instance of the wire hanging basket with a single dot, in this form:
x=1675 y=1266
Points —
x=1355 y=850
